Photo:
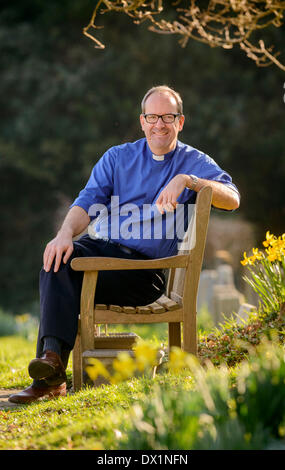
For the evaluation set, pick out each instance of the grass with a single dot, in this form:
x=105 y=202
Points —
x=89 y=419
x=15 y=353
x=86 y=420
x=100 y=418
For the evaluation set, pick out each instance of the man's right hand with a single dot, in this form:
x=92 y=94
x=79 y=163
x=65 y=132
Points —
x=60 y=245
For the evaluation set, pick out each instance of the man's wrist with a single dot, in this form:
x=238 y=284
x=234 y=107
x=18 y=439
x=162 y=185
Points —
x=192 y=182
x=66 y=231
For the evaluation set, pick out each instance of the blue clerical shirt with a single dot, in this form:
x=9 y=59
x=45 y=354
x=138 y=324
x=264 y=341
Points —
x=124 y=185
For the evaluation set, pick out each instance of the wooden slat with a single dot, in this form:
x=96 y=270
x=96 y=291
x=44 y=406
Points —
x=176 y=297
x=101 y=307
x=108 y=316
x=143 y=309
x=115 y=308
x=167 y=303
x=128 y=310
x=115 y=341
x=178 y=281
x=156 y=308
x=107 y=264
x=151 y=308
x=171 y=277
x=103 y=353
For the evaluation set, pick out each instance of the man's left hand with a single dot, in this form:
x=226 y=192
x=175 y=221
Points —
x=167 y=200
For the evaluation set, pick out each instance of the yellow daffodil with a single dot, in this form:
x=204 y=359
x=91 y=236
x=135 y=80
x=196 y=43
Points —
x=270 y=239
x=116 y=379
x=280 y=246
x=124 y=365
x=247 y=260
x=272 y=254
x=257 y=255
x=96 y=368
x=24 y=318
x=146 y=355
x=268 y=273
x=178 y=359
x=275 y=249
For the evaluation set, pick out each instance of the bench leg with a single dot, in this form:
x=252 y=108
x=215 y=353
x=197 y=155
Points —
x=77 y=369
x=190 y=333
x=174 y=335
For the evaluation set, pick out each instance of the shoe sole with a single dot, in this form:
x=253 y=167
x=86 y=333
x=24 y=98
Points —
x=19 y=399
x=40 y=370
x=24 y=401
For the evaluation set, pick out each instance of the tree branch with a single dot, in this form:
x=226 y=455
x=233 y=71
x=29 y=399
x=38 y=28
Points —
x=219 y=23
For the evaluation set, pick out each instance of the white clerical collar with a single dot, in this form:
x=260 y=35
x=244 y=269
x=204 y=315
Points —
x=159 y=158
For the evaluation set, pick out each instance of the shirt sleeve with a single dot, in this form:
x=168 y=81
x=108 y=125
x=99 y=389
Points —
x=99 y=187
x=216 y=173
x=205 y=167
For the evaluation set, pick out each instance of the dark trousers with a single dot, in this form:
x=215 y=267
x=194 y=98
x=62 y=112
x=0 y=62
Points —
x=60 y=292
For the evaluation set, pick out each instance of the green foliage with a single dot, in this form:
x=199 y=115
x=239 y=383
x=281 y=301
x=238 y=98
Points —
x=260 y=393
x=16 y=353
x=230 y=342
x=24 y=325
x=7 y=324
x=249 y=416
x=267 y=272
x=205 y=322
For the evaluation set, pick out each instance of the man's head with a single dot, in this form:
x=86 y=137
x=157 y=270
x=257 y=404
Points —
x=162 y=134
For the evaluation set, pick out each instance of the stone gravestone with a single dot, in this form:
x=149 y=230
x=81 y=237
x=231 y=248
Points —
x=208 y=279
x=226 y=298
x=218 y=293
x=244 y=312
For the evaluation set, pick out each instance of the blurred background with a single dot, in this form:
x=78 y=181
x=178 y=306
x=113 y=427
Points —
x=63 y=103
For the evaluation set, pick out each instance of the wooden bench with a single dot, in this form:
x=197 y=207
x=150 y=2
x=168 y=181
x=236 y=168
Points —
x=177 y=307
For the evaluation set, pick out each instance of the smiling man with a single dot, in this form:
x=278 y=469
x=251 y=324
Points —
x=162 y=119
x=158 y=172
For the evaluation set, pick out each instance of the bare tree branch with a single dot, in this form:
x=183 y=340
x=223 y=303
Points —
x=218 y=23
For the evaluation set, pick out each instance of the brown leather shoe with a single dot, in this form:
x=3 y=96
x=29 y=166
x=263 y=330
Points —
x=32 y=393
x=48 y=367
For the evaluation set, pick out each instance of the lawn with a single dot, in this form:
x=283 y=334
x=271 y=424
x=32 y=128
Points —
x=89 y=419
x=144 y=413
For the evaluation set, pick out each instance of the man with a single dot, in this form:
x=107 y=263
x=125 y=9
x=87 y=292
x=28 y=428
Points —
x=157 y=171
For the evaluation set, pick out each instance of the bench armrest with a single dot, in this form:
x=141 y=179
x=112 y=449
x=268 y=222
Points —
x=114 y=264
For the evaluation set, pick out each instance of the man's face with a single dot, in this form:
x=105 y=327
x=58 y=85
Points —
x=161 y=137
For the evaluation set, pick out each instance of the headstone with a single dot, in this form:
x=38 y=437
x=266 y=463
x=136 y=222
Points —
x=225 y=275
x=226 y=301
x=222 y=257
x=217 y=292
x=208 y=279
x=244 y=311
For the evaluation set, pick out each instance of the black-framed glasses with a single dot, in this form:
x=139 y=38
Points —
x=167 y=118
